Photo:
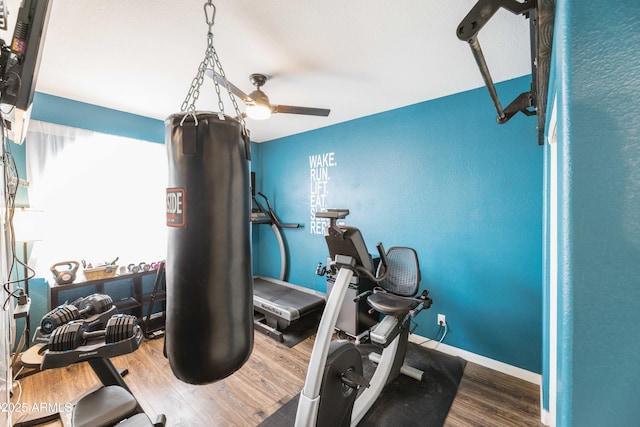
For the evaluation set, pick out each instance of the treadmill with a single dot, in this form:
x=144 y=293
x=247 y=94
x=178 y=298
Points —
x=277 y=303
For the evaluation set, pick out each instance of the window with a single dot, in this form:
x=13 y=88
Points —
x=102 y=195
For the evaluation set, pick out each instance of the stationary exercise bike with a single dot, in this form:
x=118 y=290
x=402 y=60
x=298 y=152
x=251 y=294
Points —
x=335 y=392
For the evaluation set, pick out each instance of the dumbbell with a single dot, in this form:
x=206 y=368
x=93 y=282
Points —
x=73 y=334
x=93 y=304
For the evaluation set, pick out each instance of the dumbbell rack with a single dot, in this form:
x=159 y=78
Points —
x=133 y=303
x=94 y=349
x=97 y=353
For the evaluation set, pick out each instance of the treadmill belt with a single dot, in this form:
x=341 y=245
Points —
x=286 y=297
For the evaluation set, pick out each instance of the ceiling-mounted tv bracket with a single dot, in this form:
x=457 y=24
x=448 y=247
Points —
x=468 y=31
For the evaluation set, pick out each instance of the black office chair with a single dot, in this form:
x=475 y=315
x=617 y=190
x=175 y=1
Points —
x=395 y=296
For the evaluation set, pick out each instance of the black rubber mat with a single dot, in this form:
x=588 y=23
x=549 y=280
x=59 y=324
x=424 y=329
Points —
x=405 y=401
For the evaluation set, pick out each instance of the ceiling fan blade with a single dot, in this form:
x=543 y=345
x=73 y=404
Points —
x=290 y=109
x=234 y=89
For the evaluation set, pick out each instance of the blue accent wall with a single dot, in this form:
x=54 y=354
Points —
x=63 y=111
x=597 y=79
x=441 y=177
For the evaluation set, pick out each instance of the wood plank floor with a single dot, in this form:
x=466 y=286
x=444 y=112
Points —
x=272 y=376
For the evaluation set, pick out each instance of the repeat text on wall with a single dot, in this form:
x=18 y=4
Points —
x=319 y=167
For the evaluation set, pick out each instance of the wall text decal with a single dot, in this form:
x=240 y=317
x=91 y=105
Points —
x=319 y=165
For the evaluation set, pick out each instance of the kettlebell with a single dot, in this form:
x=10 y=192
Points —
x=133 y=268
x=64 y=277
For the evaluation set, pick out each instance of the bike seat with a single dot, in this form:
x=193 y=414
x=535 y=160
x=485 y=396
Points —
x=387 y=303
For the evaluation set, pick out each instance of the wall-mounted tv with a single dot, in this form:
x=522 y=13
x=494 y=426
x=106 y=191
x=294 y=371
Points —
x=19 y=64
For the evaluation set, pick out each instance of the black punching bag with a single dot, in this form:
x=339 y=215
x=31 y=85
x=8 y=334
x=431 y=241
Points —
x=209 y=325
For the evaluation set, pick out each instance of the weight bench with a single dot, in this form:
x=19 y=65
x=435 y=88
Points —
x=108 y=404
x=279 y=304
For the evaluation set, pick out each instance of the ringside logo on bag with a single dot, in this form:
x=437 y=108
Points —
x=175 y=207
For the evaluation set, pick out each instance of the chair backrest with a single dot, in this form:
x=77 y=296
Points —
x=346 y=240
x=403 y=277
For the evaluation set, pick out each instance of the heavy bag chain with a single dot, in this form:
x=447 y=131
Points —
x=211 y=60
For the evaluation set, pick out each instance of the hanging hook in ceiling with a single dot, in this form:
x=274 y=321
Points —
x=210 y=14
x=210 y=61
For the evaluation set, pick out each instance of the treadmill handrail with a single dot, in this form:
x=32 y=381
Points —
x=272 y=213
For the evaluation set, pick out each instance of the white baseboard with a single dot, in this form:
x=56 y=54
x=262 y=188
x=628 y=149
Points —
x=545 y=418
x=505 y=368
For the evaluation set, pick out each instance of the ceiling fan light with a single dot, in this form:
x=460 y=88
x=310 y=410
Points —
x=258 y=111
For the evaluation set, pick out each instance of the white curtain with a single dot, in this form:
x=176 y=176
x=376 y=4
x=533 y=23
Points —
x=102 y=196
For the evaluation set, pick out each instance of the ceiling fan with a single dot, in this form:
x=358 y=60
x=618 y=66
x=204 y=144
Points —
x=258 y=106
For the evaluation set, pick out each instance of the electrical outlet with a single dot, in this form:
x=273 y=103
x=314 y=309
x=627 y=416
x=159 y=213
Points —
x=442 y=320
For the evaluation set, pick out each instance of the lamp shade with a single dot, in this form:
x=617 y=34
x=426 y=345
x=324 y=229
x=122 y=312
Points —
x=259 y=108
x=258 y=111
x=28 y=224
